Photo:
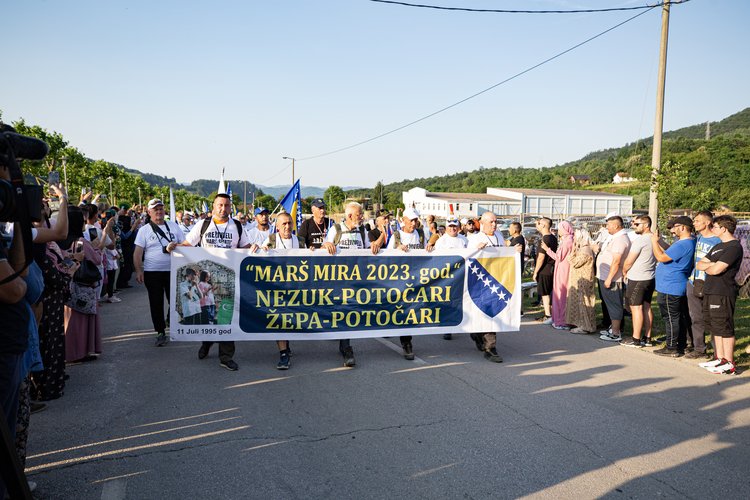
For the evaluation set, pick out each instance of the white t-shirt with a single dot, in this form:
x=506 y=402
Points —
x=447 y=241
x=190 y=299
x=222 y=235
x=152 y=244
x=256 y=235
x=282 y=243
x=350 y=239
x=411 y=240
x=490 y=240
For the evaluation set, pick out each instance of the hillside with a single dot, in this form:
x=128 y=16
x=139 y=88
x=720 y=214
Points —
x=708 y=173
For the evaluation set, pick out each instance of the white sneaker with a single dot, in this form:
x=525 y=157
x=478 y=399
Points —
x=727 y=368
x=710 y=364
x=114 y=299
x=611 y=337
x=547 y=321
x=606 y=332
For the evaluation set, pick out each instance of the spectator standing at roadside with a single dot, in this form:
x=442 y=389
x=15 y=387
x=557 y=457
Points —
x=220 y=232
x=154 y=243
x=313 y=231
x=638 y=272
x=720 y=293
x=609 y=274
x=581 y=301
x=672 y=272
x=545 y=267
x=705 y=241
x=560 y=277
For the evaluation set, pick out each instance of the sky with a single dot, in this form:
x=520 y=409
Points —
x=184 y=88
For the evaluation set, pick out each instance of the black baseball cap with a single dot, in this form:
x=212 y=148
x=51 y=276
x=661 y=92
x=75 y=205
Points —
x=318 y=203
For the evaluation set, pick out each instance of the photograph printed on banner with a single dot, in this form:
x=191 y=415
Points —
x=205 y=292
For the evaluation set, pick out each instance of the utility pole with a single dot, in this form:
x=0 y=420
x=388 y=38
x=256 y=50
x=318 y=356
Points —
x=293 y=160
x=653 y=205
x=245 y=197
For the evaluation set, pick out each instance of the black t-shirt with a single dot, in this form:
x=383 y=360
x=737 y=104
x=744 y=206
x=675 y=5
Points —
x=548 y=267
x=519 y=240
x=729 y=252
x=14 y=334
x=313 y=234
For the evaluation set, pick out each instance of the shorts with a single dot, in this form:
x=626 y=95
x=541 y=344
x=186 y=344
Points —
x=718 y=314
x=613 y=297
x=638 y=292
x=544 y=284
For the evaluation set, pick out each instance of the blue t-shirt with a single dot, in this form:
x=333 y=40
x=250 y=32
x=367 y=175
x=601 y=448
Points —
x=671 y=277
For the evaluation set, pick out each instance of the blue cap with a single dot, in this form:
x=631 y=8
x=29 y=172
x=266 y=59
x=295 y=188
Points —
x=260 y=210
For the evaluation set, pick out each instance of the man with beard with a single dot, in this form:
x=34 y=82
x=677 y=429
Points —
x=638 y=273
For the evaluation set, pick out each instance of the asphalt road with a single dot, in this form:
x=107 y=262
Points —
x=564 y=416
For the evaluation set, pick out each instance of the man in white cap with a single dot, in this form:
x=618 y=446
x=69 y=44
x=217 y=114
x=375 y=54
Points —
x=451 y=239
x=154 y=243
x=408 y=237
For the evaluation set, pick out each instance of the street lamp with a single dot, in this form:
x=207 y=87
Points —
x=111 y=198
x=65 y=171
x=293 y=160
x=139 y=196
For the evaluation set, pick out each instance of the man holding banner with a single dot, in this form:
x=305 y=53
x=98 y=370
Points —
x=219 y=232
x=350 y=234
x=409 y=237
x=488 y=236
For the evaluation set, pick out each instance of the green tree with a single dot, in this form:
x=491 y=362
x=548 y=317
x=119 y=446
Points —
x=334 y=197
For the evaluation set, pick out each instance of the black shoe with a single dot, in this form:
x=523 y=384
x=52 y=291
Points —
x=670 y=353
x=283 y=363
x=349 y=357
x=493 y=356
x=408 y=353
x=161 y=341
x=230 y=365
x=203 y=351
x=37 y=407
x=695 y=355
x=478 y=339
x=447 y=336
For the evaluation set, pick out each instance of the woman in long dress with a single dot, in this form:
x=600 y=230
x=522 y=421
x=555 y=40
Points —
x=581 y=284
x=562 y=269
x=83 y=335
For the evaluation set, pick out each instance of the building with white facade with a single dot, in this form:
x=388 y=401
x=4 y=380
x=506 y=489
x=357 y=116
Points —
x=518 y=203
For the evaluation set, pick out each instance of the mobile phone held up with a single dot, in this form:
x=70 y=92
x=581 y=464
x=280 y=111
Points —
x=92 y=234
x=53 y=178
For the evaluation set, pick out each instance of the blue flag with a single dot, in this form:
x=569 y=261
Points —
x=292 y=204
x=229 y=193
x=489 y=283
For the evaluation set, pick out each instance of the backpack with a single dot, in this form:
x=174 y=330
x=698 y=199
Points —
x=207 y=222
x=397 y=237
x=337 y=238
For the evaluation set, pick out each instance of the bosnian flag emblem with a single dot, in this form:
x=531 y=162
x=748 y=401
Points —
x=489 y=281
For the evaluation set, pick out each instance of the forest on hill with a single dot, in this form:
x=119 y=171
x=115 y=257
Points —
x=696 y=172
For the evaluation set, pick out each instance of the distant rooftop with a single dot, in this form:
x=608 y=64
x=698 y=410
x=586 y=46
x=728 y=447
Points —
x=467 y=197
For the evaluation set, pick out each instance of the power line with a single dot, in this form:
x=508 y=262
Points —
x=276 y=174
x=510 y=11
x=560 y=54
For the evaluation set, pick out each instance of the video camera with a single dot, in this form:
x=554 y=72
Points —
x=19 y=201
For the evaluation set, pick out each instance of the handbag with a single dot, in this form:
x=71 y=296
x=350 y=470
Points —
x=698 y=288
x=82 y=298
x=87 y=274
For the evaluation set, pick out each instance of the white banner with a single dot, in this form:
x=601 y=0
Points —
x=219 y=294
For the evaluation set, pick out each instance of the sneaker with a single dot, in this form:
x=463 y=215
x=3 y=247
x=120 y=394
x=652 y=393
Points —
x=611 y=337
x=579 y=330
x=408 y=353
x=349 y=357
x=493 y=356
x=283 y=363
x=631 y=343
x=447 y=336
x=547 y=320
x=670 y=353
x=230 y=365
x=478 y=339
x=561 y=327
x=710 y=364
x=203 y=351
x=161 y=341
x=695 y=355
x=646 y=342
x=608 y=331
x=35 y=407
x=114 y=299
x=726 y=367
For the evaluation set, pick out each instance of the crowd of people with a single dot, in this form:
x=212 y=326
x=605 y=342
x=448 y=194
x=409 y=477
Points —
x=693 y=277
x=87 y=252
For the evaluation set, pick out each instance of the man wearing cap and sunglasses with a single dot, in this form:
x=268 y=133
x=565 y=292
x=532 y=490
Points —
x=313 y=231
x=672 y=273
x=262 y=229
x=151 y=260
